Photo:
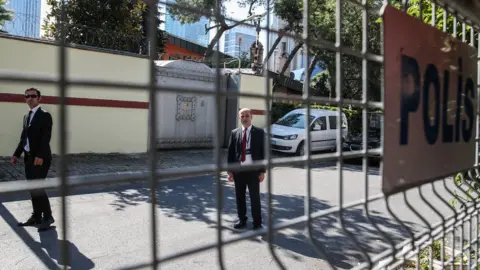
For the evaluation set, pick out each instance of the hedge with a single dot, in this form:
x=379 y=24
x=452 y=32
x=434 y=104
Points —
x=354 y=116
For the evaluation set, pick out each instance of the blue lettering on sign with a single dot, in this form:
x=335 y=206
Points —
x=410 y=102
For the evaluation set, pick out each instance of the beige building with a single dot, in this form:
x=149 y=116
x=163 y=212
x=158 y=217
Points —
x=100 y=120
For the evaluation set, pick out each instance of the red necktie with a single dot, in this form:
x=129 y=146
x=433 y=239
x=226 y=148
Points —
x=244 y=145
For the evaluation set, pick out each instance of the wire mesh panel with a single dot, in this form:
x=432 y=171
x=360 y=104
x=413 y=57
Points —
x=351 y=57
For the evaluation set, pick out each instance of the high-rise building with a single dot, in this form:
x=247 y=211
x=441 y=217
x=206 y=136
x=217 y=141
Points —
x=26 y=18
x=194 y=32
x=238 y=40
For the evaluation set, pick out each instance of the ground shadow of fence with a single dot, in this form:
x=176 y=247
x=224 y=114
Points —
x=195 y=200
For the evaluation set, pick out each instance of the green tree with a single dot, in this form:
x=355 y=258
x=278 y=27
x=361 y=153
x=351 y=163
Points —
x=5 y=14
x=322 y=26
x=109 y=24
x=191 y=11
x=426 y=7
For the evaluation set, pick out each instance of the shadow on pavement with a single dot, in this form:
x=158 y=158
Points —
x=195 y=200
x=50 y=242
x=27 y=239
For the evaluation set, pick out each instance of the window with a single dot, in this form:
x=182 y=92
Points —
x=322 y=122
x=284 y=47
x=295 y=120
x=332 y=120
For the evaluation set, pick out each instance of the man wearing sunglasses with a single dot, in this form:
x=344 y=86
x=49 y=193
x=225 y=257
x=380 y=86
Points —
x=35 y=145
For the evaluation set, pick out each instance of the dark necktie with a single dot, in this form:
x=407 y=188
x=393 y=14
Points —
x=28 y=119
x=244 y=145
x=27 y=122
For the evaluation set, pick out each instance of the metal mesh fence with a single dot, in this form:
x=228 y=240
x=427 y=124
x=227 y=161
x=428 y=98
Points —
x=417 y=244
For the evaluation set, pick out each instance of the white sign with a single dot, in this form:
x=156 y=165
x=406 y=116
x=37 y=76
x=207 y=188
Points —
x=430 y=103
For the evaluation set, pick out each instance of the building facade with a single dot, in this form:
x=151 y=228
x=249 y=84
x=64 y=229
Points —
x=238 y=40
x=179 y=48
x=283 y=49
x=194 y=32
x=26 y=18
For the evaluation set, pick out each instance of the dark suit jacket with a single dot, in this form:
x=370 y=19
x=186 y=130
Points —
x=39 y=133
x=257 y=144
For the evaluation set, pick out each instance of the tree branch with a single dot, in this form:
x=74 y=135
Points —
x=251 y=7
x=290 y=57
x=281 y=34
x=214 y=40
x=311 y=67
x=223 y=28
x=247 y=19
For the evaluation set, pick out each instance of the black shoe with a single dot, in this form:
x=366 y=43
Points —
x=32 y=221
x=48 y=220
x=46 y=223
x=240 y=225
x=257 y=227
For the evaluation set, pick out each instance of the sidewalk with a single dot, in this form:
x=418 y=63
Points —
x=84 y=164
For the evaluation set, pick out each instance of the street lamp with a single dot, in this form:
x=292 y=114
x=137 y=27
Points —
x=236 y=59
x=275 y=52
x=240 y=46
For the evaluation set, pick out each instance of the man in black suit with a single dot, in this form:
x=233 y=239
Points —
x=35 y=145
x=247 y=145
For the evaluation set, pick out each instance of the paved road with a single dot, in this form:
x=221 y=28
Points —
x=109 y=227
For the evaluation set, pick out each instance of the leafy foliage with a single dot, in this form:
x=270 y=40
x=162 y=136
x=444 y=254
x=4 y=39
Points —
x=436 y=250
x=321 y=84
x=322 y=25
x=468 y=188
x=5 y=14
x=442 y=22
x=109 y=24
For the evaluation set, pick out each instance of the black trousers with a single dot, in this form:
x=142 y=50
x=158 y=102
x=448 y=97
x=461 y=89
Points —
x=40 y=201
x=242 y=181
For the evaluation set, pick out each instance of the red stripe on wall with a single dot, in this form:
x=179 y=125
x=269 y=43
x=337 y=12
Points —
x=73 y=101
x=258 y=112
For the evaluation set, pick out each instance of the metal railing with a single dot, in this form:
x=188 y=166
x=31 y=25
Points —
x=396 y=253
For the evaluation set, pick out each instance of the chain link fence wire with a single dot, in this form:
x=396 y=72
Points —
x=427 y=246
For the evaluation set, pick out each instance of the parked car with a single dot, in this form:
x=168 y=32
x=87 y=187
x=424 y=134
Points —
x=355 y=143
x=288 y=133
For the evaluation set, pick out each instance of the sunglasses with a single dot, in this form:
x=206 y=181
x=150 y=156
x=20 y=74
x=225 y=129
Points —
x=31 y=96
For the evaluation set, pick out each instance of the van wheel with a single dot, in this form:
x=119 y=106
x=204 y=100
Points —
x=301 y=149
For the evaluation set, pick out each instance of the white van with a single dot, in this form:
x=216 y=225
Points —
x=288 y=133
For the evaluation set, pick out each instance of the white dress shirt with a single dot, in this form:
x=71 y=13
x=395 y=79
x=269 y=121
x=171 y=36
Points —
x=248 y=158
x=34 y=110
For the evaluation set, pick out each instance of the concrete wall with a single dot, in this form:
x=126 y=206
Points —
x=255 y=85
x=99 y=120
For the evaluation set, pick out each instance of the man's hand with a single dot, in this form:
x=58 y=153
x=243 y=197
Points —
x=261 y=177
x=230 y=177
x=38 y=162
x=14 y=160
